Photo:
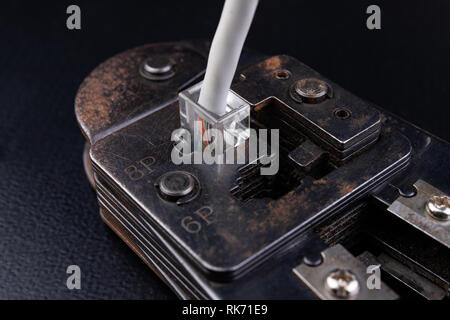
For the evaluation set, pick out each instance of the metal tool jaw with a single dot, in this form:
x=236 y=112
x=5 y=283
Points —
x=211 y=231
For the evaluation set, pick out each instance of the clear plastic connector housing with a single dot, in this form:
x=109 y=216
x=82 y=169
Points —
x=234 y=125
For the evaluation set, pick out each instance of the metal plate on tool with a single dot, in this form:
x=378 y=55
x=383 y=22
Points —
x=413 y=210
x=361 y=119
x=222 y=235
x=340 y=269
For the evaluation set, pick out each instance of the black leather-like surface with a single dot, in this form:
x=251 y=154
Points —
x=48 y=213
x=49 y=216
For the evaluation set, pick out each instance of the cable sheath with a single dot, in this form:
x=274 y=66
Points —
x=226 y=47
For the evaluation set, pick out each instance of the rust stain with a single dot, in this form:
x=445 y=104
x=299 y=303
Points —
x=259 y=107
x=281 y=210
x=324 y=122
x=345 y=188
x=320 y=181
x=103 y=87
x=229 y=237
x=272 y=64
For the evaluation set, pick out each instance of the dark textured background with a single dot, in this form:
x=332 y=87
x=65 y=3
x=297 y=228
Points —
x=48 y=214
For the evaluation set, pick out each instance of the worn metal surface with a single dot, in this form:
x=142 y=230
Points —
x=411 y=247
x=307 y=154
x=225 y=237
x=413 y=211
x=407 y=276
x=115 y=94
x=178 y=272
x=404 y=274
x=338 y=258
x=219 y=247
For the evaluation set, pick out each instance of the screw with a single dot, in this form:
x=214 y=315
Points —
x=310 y=90
x=342 y=284
x=176 y=183
x=157 y=67
x=313 y=260
x=438 y=207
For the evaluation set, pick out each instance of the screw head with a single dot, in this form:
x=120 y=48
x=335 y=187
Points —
x=342 y=284
x=311 y=90
x=157 y=67
x=438 y=207
x=176 y=183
